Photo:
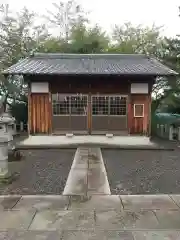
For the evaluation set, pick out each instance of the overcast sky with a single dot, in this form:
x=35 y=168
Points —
x=107 y=13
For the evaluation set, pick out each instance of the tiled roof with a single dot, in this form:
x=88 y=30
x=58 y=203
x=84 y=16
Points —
x=122 y=64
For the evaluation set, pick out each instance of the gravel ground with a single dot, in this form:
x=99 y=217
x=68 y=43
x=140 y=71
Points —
x=143 y=172
x=41 y=172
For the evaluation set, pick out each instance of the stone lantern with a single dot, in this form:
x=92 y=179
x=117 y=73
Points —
x=6 y=129
x=4 y=173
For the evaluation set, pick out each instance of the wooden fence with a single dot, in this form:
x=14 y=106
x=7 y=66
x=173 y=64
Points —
x=168 y=132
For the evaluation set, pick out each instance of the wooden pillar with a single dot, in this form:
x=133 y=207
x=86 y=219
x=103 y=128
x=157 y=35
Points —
x=29 y=113
x=130 y=114
x=146 y=115
x=149 y=119
x=50 y=113
x=89 y=114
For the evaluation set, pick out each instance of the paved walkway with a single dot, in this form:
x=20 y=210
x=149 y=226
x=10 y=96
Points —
x=125 y=142
x=96 y=217
x=88 y=174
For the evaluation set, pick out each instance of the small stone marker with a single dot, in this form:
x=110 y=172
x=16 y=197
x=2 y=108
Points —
x=171 y=133
x=109 y=135
x=69 y=135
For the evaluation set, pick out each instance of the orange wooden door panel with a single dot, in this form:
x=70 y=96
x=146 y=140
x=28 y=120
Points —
x=39 y=113
x=139 y=125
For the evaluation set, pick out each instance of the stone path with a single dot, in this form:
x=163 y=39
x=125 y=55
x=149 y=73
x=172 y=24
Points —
x=94 y=217
x=88 y=174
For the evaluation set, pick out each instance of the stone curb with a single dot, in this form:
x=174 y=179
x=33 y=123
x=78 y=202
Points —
x=51 y=196
x=99 y=145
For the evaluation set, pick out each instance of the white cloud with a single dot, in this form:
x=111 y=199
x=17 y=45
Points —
x=108 y=13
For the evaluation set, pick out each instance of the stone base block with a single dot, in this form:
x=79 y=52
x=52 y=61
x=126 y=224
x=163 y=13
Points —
x=8 y=178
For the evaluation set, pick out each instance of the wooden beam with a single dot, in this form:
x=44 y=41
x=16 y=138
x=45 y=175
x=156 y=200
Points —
x=129 y=114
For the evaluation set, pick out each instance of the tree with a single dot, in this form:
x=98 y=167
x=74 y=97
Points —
x=81 y=40
x=88 y=40
x=65 y=16
x=137 y=39
x=171 y=57
x=53 y=45
x=170 y=100
x=19 y=110
x=19 y=36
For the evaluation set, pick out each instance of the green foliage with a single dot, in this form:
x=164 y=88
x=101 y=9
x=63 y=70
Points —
x=19 y=36
x=19 y=110
x=171 y=55
x=137 y=39
x=169 y=100
x=92 y=40
x=82 y=40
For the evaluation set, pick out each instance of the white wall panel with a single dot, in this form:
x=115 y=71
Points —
x=39 y=87
x=139 y=88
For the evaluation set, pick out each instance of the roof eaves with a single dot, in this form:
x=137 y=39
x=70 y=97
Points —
x=159 y=62
x=92 y=74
